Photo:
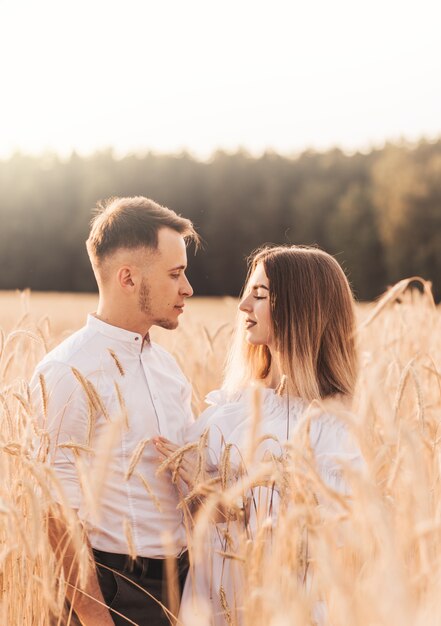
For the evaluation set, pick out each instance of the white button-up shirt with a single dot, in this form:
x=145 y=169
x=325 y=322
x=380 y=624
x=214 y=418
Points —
x=124 y=370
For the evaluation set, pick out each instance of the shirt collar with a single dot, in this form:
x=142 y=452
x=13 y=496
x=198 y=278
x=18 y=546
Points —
x=116 y=333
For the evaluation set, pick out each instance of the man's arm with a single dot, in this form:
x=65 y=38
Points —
x=87 y=602
x=61 y=410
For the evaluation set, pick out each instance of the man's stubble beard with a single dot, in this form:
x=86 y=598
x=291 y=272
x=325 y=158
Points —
x=145 y=306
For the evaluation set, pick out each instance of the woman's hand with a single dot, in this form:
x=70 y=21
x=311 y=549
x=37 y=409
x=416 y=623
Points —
x=185 y=464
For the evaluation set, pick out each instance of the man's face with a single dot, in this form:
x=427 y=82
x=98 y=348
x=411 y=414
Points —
x=164 y=285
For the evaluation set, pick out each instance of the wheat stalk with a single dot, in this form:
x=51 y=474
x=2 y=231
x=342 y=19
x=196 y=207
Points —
x=116 y=361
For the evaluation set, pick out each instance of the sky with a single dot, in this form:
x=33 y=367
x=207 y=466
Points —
x=193 y=75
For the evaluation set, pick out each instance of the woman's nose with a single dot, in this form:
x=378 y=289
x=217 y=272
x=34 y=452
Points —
x=245 y=304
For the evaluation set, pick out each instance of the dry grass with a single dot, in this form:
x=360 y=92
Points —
x=375 y=560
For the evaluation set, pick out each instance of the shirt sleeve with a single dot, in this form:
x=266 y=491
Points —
x=334 y=448
x=61 y=408
x=186 y=395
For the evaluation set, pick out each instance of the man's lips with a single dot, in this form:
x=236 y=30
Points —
x=180 y=307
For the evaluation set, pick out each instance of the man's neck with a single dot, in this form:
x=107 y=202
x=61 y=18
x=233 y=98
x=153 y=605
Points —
x=120 y=319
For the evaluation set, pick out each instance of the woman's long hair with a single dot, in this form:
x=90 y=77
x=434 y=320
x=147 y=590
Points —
x=313 y=319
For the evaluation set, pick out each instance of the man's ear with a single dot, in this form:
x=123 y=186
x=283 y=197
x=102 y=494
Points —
x=126 y=278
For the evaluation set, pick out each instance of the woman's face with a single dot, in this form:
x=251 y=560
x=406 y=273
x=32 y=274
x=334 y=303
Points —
x=256 y=305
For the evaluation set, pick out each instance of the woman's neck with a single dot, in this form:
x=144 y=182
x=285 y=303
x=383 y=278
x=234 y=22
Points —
x=274 y=375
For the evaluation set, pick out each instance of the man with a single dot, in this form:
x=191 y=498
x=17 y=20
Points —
x=109 y=378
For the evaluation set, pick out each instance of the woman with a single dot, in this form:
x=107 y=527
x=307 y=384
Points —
x=296 y=337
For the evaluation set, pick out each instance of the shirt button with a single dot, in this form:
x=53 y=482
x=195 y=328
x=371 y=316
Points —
x=136 y=338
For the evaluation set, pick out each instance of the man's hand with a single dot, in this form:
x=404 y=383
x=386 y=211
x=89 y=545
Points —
x=88 y=609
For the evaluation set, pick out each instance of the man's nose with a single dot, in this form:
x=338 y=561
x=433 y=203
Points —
x=186 y=289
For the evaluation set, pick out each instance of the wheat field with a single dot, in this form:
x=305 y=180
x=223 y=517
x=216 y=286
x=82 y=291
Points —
x=372 y=560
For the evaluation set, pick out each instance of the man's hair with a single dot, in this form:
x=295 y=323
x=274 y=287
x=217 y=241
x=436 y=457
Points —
x=132 y=223
x=313 y=320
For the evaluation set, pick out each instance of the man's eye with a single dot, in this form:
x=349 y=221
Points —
x=175 y=275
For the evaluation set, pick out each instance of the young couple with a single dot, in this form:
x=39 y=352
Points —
x=297 y=324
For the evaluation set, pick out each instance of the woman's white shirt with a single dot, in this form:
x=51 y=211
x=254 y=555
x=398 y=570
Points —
x=229 y=421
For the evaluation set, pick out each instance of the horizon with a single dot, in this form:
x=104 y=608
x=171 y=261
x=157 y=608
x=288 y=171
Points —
x=400 y=142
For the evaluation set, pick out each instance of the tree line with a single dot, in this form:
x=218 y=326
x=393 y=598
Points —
x=378 y=213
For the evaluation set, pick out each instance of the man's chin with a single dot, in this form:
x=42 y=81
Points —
x=167 y=324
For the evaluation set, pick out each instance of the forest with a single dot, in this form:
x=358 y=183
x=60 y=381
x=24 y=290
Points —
x=379 y=213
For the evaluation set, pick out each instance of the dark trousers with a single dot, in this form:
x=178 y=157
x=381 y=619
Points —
x=140 y=601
